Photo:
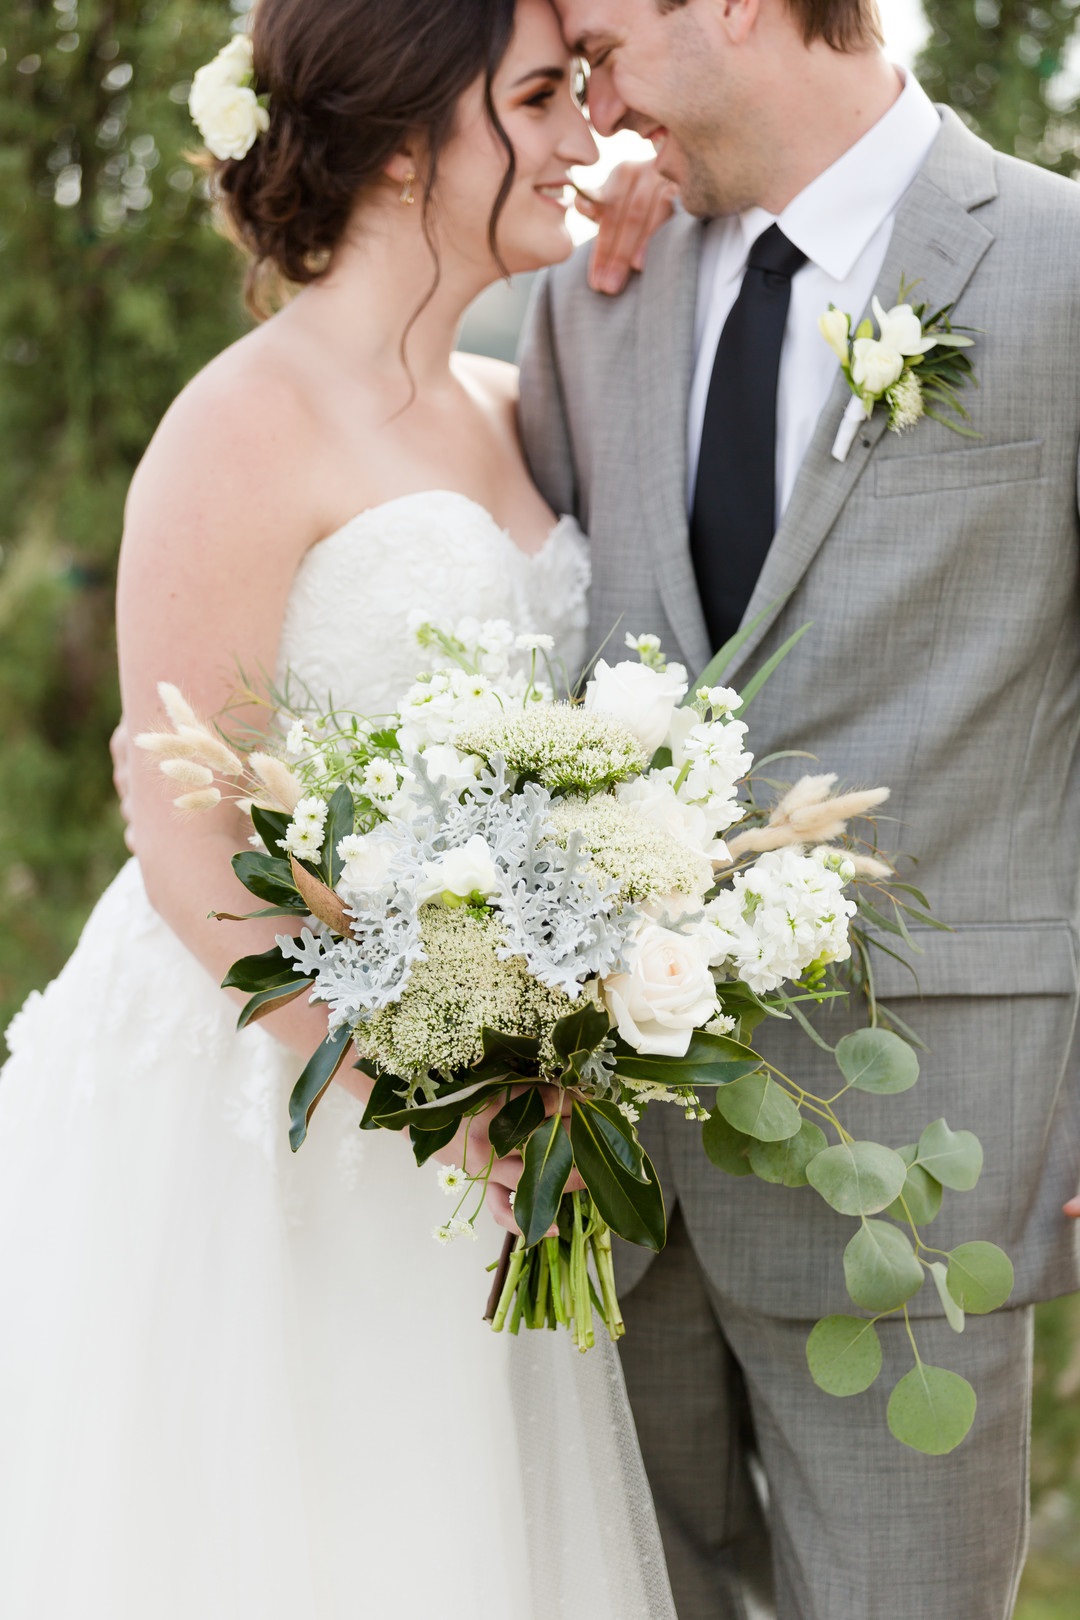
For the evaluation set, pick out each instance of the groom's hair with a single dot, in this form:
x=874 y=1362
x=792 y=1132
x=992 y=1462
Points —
x=846 y=25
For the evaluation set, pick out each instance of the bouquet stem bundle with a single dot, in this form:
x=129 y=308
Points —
x=550 y=1284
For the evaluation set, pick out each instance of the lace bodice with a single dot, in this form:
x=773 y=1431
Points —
x=346 y=633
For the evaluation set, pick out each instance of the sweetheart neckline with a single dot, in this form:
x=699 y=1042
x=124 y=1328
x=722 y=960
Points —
x=450 y=494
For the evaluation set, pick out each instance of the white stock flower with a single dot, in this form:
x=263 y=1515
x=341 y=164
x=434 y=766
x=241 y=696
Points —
x=835 y=328
x=297 y=740
x=712 y=753
x=780 y=917
x=900 y=328
x=643 y=699
x=875 y=366
x=231 y=120
x=667 y=992
x=463 y=872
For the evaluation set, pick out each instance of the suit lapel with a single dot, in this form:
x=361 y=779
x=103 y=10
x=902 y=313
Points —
x=664 y=366
x=936 y=240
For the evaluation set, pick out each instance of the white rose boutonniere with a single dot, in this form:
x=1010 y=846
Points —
x=915 y=366
x=228 y=114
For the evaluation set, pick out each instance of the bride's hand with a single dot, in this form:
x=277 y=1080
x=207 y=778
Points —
x=629 y=209
x=475 y=1156
x=120 y=749
x=1073 y=1207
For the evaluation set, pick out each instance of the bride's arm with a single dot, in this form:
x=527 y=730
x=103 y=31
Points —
x=218 y=517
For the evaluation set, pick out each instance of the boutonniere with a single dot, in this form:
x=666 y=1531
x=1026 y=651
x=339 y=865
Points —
x=915 y=367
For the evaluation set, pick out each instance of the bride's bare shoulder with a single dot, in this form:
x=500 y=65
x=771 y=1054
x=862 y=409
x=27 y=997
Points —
x=233 y=437
x=494 y=381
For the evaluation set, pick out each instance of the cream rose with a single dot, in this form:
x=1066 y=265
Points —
x=642 y=699
x=231 y=121
x=667 y=993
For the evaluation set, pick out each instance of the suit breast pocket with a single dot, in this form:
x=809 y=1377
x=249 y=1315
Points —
x=969 y=468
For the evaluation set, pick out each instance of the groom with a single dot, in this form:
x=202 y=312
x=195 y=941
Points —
x=689 y=425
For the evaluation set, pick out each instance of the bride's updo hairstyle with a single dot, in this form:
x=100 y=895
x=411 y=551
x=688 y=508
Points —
x=349 y=83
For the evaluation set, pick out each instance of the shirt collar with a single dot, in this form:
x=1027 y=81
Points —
x=833 y=219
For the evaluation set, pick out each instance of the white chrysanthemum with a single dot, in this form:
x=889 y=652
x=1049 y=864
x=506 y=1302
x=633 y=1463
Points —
x=381 y=780
x=443 y=1234
x=632 y=850
x=452 y=1180
x=782 y=916
x=563 y=747
x=465 y=1229
x=534 y=642
x=305 y=832
x=906 y=403
x=297 y=740
x=461 y=986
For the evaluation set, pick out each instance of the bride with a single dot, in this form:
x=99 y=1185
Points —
x=234 y=1384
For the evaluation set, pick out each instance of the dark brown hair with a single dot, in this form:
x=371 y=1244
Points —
x=846 y=25
x=349 y=82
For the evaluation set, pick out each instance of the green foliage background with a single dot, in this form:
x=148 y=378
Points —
x=114 y=291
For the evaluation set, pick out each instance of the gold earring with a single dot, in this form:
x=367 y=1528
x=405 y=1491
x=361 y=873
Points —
x=407 y=189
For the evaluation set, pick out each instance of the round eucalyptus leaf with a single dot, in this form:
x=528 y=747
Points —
x=953 y=1314
x=784 y=1163
x=760 y=1108
x=844 y=1355
x=877 y=1060
x=880 y=1267
x=954 y=1158
x=725 y=1146
x=931 y=1410
x=857 y=1178
x=921 y=1192
x=980 y=1277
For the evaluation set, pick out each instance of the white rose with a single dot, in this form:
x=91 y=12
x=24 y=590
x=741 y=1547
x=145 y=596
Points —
x=367 y=858
x=231 y=121
x=462 y=872
x=874 y=366
x=231 y=66
x=835 y=328
x=655 y=797
x=901 y=329
x=643 y=699
x=667 y=994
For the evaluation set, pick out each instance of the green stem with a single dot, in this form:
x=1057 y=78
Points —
x=605 y=1271
x=517 y=1260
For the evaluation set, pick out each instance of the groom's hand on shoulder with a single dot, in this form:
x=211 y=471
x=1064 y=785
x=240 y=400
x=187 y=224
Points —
x=1073 y=1207
x=629 y=209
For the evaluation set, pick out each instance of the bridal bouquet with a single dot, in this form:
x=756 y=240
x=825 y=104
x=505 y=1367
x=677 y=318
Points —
x=558 y=913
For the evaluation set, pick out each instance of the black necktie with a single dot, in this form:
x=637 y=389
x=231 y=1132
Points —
x=734 y=514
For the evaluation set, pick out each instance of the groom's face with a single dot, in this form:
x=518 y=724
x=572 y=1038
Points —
x=669 y=75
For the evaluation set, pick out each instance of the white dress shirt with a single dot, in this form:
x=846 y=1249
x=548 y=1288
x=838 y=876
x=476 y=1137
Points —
x=843 y=222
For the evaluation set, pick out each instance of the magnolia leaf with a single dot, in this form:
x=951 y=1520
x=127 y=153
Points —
x=880 y=1268
x=921 y=1192
x=980 y=1277
x=518 y=1052
x=385 y=1096
x=548 y=1160
x=931 y=1410
x=954 y=1158
x=857 y=1178
x=844 y=1354
x=631 y=1204
x=270 y=970
x=784 y=1163
x=432 y=1116
x=315 y=1081
x=726 y=1147
x=953 y=1314
x=516 y=1120
x=268 y=878
x=427 y=1143
x=878 y=1061
x=758 y=1107
x=321 y=901
x=340 y=823
x=580 y=1031
x=271 y=1001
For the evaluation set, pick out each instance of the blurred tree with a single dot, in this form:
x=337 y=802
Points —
x=1003 y=65
x=114 y=290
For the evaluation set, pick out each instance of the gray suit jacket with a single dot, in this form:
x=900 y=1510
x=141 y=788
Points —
x=942 y=576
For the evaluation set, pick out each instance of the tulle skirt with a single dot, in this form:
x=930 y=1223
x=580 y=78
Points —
x=242 y=1384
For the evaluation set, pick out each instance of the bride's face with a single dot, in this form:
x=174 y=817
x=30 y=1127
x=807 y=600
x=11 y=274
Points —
x=533 y=97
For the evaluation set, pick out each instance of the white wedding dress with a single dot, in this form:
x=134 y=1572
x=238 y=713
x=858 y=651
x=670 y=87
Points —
x=239 y=1384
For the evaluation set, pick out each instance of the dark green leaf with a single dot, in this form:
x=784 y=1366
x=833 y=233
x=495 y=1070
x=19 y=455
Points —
x=427 y=1143
x=267 y=971
x=769 y=667
x=710 y=1060
x=271 y=826
x=269 y=879
x=516 y=1120
x=433 y=1116
x=272 y=1000
x=548 y=1160
x=520 y=1053
x=340 y=822
x=385 y=1097
x=313 y=1083
x=634 y=1209
x=580 y=1031
x=619 y=1135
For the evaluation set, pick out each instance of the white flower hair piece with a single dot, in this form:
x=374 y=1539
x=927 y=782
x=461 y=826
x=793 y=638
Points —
x=228 y=114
